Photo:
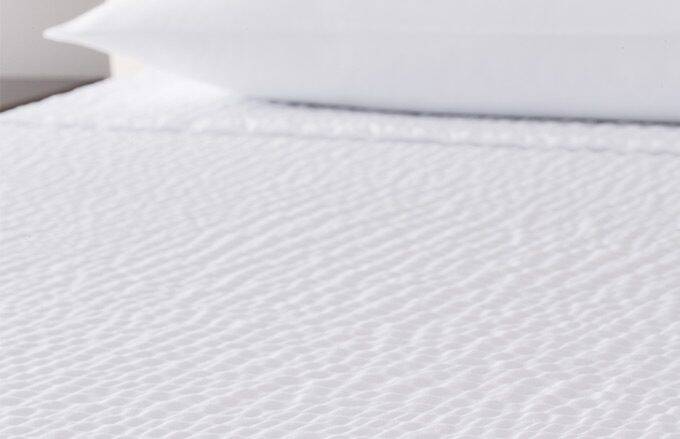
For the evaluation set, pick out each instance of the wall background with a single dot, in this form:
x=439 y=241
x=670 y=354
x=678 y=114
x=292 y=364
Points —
x=25 y=54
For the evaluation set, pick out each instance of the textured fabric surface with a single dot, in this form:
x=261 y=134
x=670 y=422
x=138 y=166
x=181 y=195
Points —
x=174 y=264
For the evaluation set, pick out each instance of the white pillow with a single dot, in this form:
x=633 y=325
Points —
x=576 y=58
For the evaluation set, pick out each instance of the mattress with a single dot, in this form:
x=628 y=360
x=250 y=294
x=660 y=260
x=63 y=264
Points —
x=178 y=263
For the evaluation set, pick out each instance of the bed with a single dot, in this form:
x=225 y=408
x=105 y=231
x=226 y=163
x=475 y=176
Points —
x=178 y=263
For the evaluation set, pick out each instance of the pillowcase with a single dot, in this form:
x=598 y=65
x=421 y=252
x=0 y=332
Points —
x=577 y=58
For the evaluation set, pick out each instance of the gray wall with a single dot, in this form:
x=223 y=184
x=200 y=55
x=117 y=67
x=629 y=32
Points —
x=23 y=51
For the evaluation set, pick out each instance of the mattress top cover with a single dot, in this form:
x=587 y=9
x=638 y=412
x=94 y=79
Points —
x=175 y=263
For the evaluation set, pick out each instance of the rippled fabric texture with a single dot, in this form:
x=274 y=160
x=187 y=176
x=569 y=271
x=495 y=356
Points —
x=176 y=264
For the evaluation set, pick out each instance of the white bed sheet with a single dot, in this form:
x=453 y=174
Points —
x=175 y=263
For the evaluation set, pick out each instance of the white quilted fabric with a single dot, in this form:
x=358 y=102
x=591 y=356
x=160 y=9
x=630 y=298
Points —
x=174 y=264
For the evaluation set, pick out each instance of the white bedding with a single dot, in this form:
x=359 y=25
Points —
x=177 y=264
